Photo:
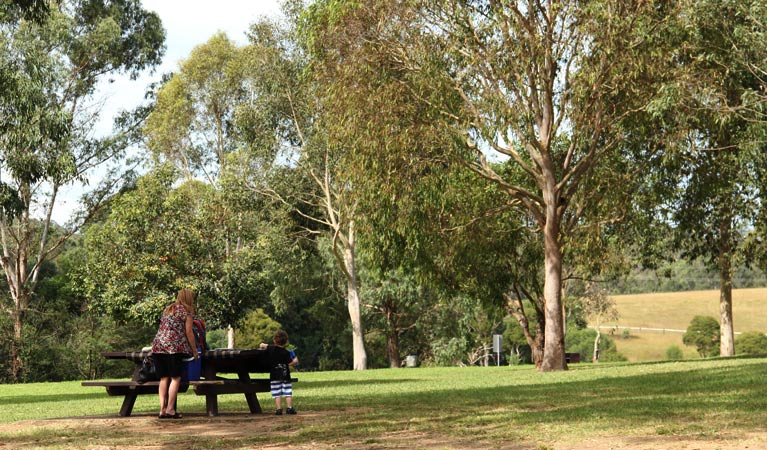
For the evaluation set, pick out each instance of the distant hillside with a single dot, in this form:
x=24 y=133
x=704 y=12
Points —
x=682 y=275
x=674 y=311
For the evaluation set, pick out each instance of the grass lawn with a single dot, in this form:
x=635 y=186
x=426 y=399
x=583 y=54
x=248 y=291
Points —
x=709 y=404
x=675 y=310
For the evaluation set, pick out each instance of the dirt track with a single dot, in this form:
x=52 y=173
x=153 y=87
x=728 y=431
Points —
x=229 y=431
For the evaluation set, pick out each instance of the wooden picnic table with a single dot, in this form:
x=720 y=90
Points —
x=211 y=385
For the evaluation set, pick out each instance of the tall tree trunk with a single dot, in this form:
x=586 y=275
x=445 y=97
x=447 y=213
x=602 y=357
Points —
x=726 y=329
x=353 y=304
x=230 y=337
x=554 y=343
x=392 y=334
x=535 y=341
x=392 y=349
x=536 y=348
x=597 y=340
x=14 y=266
x=355 y=315
x=728 y=160
x=17 y=365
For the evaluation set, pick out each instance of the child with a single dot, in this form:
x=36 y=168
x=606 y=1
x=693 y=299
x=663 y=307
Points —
x=280 y=360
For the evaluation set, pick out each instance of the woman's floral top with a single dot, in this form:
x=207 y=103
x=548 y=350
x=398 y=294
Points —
x=171 y=337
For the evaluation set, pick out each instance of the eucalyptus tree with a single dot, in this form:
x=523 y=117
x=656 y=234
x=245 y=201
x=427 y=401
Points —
x=287 y=128
x=721 y=192
x=15 y=10
x=192 y=125
x=51 y=67
x=374 y=200
x=547 y=86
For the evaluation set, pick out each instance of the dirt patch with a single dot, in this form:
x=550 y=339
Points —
x=238 y=430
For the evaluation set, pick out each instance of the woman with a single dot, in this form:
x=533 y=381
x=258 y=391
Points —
x=174 y=341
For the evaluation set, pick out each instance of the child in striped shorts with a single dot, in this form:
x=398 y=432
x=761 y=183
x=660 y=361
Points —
x=281 y=359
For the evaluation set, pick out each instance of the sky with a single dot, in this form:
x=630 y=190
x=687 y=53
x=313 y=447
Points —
x=187 y=23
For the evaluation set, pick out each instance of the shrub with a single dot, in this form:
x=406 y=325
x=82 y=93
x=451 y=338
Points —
x=703 y=333
x=216 y=338
x=751 y=343
x=582 y=341
x=674 y=353
x=257 y=327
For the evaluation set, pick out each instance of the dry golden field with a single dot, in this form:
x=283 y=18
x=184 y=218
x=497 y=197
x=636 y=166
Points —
x=674 y=311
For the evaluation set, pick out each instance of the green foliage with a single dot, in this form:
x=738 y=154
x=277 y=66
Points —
x=257 y=327
x=395 y=114
x=703 y=333
x=459 y=331
x=582 y=341
x=515 y=341
x=674 y=353
x=751 y=343
x=158 y=239
x=63 y=339
x=50 y=68
x=191 y=124
x=216 y=338
x=718 y=198
x=449 y=351
x=396 y=302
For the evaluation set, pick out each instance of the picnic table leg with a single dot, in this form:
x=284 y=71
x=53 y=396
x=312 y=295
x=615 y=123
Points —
x=251 y=398
x=211 y=404
x=211 y=400
x=255 y=407
x=128 y=402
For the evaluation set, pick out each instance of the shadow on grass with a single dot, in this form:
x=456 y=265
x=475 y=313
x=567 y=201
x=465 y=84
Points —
x=493 y=407
x=698 y=400
x=366 y=382
x=660 y=396
x=26 y=399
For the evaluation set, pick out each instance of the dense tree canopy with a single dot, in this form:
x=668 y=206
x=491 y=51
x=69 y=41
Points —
x=50 y=67
x=383 y=178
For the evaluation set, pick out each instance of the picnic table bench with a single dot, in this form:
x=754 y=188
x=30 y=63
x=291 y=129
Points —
x=211 y=385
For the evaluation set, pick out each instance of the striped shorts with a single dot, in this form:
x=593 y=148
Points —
x=281 y=389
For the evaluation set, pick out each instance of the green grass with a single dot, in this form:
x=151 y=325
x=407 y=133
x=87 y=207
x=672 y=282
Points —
x=701 y=399
x=675 y=310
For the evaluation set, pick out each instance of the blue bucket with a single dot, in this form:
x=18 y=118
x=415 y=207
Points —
x=192 y=369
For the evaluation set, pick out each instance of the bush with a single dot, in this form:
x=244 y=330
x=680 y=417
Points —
x=216 y=338
x=449 y=352
x=751 y=343
x=674 y=353
x=257 y=327
x=582 y=341
x=703 y=333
